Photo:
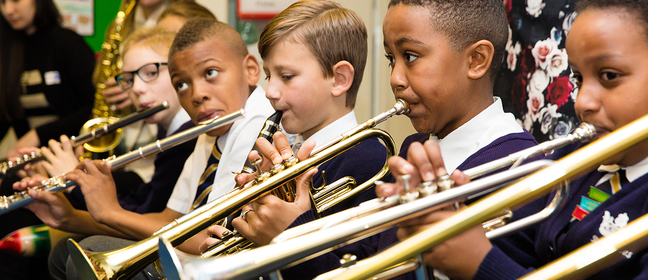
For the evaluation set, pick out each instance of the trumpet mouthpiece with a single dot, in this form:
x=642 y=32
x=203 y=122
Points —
x=402 y=107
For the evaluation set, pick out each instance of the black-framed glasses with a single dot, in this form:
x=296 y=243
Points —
x=147 y=73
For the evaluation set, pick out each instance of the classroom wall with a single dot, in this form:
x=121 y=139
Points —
x=375 y=94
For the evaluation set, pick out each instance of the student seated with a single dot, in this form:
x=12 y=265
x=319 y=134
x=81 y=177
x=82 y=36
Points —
x=213 y=75
x=608 y=53
x=447 y=77
x=313 y=79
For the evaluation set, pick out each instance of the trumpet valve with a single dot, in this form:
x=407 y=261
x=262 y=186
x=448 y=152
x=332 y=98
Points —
x=427 y=188
x=276 y=168
x=407 y=194
x=444 y=183
x=290 y=161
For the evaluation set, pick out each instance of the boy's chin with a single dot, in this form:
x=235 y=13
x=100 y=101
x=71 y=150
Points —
x=219 y=131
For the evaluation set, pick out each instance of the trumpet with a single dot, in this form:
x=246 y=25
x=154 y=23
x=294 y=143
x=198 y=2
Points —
x=126 y=262
x=11 y=166
x=539 y=183
x=306 y=241
x=19 y=199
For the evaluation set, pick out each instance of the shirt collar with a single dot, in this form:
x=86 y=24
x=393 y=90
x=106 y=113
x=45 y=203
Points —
x=180 y=118
x=478 y=132
x=332 y=130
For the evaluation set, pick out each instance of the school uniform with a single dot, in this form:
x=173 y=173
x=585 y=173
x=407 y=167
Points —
x=234 y=146
x=560 y=235
x=360 y=162
x=490 y=135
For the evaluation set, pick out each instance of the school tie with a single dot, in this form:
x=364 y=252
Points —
x=207 y=179
x=600 y=193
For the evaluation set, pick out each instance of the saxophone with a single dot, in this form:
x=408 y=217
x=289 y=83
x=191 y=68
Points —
x=110 y=65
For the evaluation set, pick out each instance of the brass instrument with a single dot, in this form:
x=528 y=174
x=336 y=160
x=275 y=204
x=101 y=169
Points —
x=19 y=199
x=126 y=262
x=237 y=242
x=301 y=243
x=540 y=183
x=598 y=255
x=270 y=126
x=11 y=166
x=110 y=65
x=294 y=246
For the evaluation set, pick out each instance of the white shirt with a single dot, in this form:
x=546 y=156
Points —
x=489 y=125
x=332 y=130
x=632 y=172
x=235 y=146
x=178 y=120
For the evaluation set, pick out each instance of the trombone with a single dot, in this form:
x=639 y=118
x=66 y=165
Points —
x=304 y=242
x=19 y=199
x=539 y=183
x=126 y=262
x=10 y=166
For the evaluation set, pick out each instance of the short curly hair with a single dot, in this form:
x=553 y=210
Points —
x=201 y=29
x=465 y=22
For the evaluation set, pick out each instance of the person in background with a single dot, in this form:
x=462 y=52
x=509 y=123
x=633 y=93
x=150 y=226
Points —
x=534 y=83
x=46 y=75
x=45 y=90
x=177 y=14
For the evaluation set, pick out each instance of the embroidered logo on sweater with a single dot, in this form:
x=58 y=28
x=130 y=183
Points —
x=610 y=224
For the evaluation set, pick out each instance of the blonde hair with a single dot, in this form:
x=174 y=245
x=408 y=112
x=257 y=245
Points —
x=186 y=10
x=158 y=39
x=332 y=34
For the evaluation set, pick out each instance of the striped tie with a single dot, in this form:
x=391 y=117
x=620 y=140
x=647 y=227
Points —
x=207 y=179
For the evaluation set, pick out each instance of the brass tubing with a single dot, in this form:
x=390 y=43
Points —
x=126 y=262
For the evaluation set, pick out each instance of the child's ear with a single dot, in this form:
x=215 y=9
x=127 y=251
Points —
x=343 y=77
x=481 y=57
x=252 y=69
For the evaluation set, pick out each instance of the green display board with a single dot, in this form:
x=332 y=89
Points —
x=104 y=12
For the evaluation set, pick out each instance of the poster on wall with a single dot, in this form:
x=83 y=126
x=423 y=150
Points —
x=78 y=15
x=261 y=9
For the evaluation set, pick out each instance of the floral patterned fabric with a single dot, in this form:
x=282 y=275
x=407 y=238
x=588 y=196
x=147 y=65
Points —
x=535 y=83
